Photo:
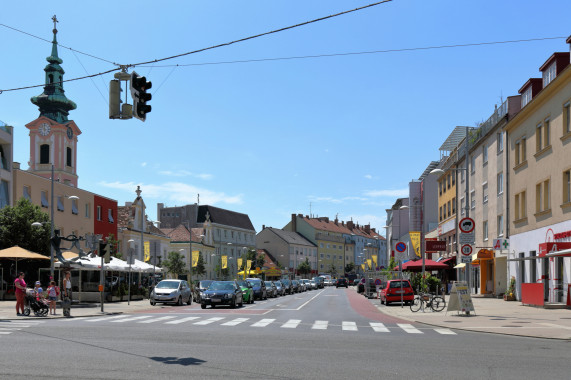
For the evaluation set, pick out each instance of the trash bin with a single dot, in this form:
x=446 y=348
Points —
x=361 y=288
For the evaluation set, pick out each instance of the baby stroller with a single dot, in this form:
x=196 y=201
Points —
x=40 y=307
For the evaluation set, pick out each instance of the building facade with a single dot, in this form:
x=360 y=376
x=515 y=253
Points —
x=6 y=158
x=288 y=249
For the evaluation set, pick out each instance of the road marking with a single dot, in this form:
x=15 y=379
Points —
x=208 y=321
x=130 y=319
x=176 y=322
x=320 y=325
x=5 y=332
x=74 y=319
x=235 y=322
x=445 y=331
x=409 y=328
x=556 y=326
x=106 y=318
x=378 y=327
x=309 y=300
x=291 y=324
x=348 y=326
x=158 y=319
x=263 y=323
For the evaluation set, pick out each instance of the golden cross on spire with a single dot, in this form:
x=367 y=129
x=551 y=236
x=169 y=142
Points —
x=54 y=19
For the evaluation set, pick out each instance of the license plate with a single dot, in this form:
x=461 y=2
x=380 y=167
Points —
x=216 y=300
x=399 y=292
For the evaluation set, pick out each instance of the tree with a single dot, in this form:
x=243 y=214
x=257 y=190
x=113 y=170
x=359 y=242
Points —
x=304 y=267
x=16 y=227
x=200 y=269
x=332 y=270
x=349 y=268
x=175 y=263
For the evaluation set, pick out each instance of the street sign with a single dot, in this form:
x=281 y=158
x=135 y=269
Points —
x=400 y=247
x=500 y=244
x=435 y=245
x=466 y=250
x=466 y=238
x=466 y=225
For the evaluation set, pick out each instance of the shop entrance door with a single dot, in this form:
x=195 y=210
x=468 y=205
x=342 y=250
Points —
x=558 y=279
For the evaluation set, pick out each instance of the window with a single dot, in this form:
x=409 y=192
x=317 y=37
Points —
x=520 y=209
x=566 y=118
x=328 y=246
x=485 y=230
x=110 y=216
x=321 y=255
x=98 y=212
x=500 y=225
x=500 y=142
x=500 y=179
x=453 y=179
x=567 y=186
x=440 y=213
x=321 y=245
x=27 y=193
x=448 y=180
x=542 y=196
x=473 y=199
x=473 y=164
x=60 y=203
x=45 y=199
x=74 y=209
x=549 y=74
x=444 y=211
x=454 y=206
x=44 y=154
x=340 y=257
x=4 y=194
x=462 y=174
x=87 y=210
x=462 y=207
x=520 y=151
x=68 y=157
x=328 y=256
x=526 y=97
x=485 y=154
x=485 y=192
x=542 y=136
x=449 y=209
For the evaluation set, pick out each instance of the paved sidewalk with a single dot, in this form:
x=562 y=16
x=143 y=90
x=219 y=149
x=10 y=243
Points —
x=493 y=316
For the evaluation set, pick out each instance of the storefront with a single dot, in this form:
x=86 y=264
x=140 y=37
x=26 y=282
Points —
x=483 y=268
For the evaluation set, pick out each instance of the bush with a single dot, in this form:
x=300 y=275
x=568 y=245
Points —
x=431 y=283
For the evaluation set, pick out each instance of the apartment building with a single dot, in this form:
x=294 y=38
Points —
x=6 y=157
x=287 y=248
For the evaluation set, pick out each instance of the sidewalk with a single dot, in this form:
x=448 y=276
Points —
x=492 y=316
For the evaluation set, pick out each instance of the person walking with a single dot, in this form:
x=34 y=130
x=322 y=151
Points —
x=20 y=292
x=53 y=293
x=67 y=293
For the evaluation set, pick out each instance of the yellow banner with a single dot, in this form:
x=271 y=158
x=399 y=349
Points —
x=369 y=263
x=415 y=240
x=239 y=261
x=195 y=255
x=147 y=251
x=363 y=266
x=224 y=262
x=374 y=259
x=248 y=264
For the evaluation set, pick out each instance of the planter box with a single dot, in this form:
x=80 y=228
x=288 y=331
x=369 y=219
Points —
x=509 y=298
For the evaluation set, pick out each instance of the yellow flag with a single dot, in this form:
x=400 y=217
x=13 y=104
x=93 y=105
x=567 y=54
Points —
x=363 y=266
x=147 y=251
x=374 y=259
x=248 y=264
x=369 y=263
x=195 y=258
x=224 y=262
x=415 y=240
x=239 y=260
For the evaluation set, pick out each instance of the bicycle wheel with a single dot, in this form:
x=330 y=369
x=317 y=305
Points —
x=415 y=304
x=438 y=303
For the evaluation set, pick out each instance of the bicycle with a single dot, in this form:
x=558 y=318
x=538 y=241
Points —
x=436 y=303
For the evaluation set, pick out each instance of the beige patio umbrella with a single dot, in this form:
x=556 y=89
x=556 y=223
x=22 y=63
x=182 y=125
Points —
x=18 y=253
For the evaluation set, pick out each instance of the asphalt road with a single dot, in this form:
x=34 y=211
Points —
x=326 y=334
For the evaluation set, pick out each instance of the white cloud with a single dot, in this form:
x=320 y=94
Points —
x=325 y=199
x=180 y=173
x=177 y=193
x=368 y=176
x=388 y=193
x=143 y=164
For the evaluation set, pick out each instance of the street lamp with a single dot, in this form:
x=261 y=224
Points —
x=39 y=224
x=130 y=259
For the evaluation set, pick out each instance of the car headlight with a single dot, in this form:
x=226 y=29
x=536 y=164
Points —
x=205 y=295
x=227 y=295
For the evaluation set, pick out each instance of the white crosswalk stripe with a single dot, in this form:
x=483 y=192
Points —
x=99 y=319
x=263 y=323
x=378 y=327
x=235 y=322
x=209 y=321
x=320 y=325
x=158 y=319
x=445 y=331
x=349 y=326
x=182 y=320
x=7 y=328
x=291 y=324
x=409 y=328
x=130 y=319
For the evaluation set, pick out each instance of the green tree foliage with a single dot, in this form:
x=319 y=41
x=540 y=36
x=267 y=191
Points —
x=200 y=268
x=349 y=268
x=16 y=227
x=332 y=270
x=304 y=267
x=175 y=264
x=432 y=283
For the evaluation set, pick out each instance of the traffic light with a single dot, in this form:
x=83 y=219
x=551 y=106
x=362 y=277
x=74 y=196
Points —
x=105 y=251
x=139 y=87
x=114 y=99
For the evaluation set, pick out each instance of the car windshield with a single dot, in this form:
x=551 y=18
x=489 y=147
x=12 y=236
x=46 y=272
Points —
x=168 y=285
x=221 y=286
x=205 y=284
x=397 y=284
x=255 y=282
x=285 y=282
x=278 y=284
x=242 y=283
x=268 y=283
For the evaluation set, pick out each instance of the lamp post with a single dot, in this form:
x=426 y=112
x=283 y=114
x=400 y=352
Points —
x=131 y=249
x=154 y=253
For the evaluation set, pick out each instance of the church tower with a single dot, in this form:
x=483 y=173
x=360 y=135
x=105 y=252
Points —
x=53 y=138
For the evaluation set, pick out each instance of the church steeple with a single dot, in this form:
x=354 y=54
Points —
x=53 y=103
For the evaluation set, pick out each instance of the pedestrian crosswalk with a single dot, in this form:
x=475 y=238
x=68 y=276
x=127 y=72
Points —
x=8 y=327
x=348 y=326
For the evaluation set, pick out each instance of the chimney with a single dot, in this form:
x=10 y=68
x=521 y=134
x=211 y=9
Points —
x=293 y=223
x=368 y=229
x=325 y=219
x=336 y=222
x=263 y=227
x=300 y=215
x=350 y=225
x=16 y=165
x=374 y=230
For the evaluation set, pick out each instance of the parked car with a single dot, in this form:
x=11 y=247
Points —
x=295 y=286
x=259 y=287
x=307 y=284
x=313 y=284
x=199 y=287
x=247 y=291
x=320 y=282
x=391 y=291
x=280 y=288
x=288 y=287
x=341 y=282
x=301 y=286
x=222 y=293
x=271 y=289
x=171 y=291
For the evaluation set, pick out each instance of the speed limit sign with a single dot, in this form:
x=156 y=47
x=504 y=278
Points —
x=466 y=249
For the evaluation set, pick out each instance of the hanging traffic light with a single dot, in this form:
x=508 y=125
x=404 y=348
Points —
x=139 y=87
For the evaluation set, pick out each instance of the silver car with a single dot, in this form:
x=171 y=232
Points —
x=171 y=291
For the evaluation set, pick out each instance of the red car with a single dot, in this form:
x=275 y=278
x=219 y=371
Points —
x=391 y=291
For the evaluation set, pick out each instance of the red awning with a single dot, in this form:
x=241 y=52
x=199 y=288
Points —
x=448 y=260
x=429 y=265
x=552 y=247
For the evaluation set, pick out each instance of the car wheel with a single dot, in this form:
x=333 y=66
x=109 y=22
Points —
x=189 y=302
x=203 y=306
x=251 y=299
x=213 y=306
x=241 y=302
x=233 y=304
x=179 y=301
x=153 y=303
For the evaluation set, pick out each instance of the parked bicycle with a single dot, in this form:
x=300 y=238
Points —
x=430 y=301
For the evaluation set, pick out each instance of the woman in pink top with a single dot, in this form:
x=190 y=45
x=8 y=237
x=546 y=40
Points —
x=20 y=285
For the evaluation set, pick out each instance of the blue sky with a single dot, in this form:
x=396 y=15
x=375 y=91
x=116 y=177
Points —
x=344 y=133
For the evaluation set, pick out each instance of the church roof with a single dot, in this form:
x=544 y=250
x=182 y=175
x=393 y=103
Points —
x=224 y=217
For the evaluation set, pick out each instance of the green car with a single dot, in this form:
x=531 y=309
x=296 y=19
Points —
x=247 y=291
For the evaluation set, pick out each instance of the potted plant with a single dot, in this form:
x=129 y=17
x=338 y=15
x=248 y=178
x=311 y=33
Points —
x=510 y=293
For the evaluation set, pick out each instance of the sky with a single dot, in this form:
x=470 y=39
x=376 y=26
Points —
x=255 y=128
